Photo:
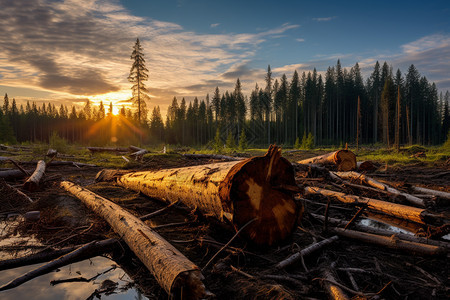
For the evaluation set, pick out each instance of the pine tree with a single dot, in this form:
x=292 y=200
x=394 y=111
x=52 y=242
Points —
x=243 y=144
x=138 y=75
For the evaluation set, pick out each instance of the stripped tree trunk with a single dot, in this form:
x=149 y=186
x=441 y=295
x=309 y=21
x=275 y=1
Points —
x=440 y=194
x=414 y=214
x=237 y=191
x=32 y=184
x=343 y=160
x=173 y=271
x=376 y=184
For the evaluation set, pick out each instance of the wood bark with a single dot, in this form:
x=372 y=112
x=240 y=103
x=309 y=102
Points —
x=108 y=149
x=376 y=184
x=414 y=214
x=343 y=160
x=173 y=271
x=392 y=242
x=32 y=183
x=237 y=192
x=440 y=194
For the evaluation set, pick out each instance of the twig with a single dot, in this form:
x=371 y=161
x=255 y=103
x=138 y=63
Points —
x=158 y=212
x=358 y=213
x=227 y=244
x=19 y=167
x=345 y=288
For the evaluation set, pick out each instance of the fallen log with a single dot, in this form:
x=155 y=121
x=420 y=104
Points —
x=440 y=194
x=13 y=174
x=343 y=160
x=213 y=156
x=392 y=242
x=86 y=251
x=236 y=191
x=178 y=276
x=108 y=149
x=366 y=165
x=139 y=152
x=32 y=183
x=414 y=214
x=376 y=184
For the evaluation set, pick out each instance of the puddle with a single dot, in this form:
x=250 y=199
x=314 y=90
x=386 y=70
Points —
x=40 y=288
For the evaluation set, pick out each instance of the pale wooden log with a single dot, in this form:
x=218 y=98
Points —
x=134 y=148
x=86 y=251
x=392 y=242
x=173 y=271
x=440 y=194
x=308 y=250
x=237 y=191
x=414 y=214
x=32 y=183
x=376 y=184
x=51 y=153
x=343 y=160
x=379 y=231
x=213 y=156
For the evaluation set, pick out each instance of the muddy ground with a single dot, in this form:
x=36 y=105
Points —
x=244 y=271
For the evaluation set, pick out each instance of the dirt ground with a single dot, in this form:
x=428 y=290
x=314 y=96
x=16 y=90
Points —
x=245 y=271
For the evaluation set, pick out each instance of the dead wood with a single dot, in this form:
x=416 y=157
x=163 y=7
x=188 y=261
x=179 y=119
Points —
x=392 y=242
x=173 y=271
x=32 y=183
x=366 y=165
x=108 y=149
x=379 y=231
x=213 y=156
x=413 y=214
x=52 y=153
x=22 y=194
x=308 y=250
x=237 y=191
x=376 y=184
x=440 y=194
x=343 y=160
x=332 y=287
x=89 y=250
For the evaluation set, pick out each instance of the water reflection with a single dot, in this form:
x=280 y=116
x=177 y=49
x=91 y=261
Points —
x=40 y=287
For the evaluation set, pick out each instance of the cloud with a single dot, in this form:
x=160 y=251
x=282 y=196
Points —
x=214 y=25
x=326 y=19
x=77 y=48
x=300 y=40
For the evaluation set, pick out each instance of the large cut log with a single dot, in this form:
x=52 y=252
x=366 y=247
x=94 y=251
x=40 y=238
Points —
x=414 y=214
x=237 y=191
x=174 y=272
x=343 y=160
x=376 y=184
x=32 y=183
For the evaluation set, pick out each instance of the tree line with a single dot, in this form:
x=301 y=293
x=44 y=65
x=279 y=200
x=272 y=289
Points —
x=393 y=108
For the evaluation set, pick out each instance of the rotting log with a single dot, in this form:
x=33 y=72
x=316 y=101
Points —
x=392 y=242
x=376 y=184
x=178 y=276
x=237 y=192
x=410 y=213
x=32 y=183
x=343 y=160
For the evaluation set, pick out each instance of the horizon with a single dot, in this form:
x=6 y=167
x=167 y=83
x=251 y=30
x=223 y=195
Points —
x=66 y=52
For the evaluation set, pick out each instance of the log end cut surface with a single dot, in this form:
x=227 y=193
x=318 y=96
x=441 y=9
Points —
x=254 y=189
x=345 y=160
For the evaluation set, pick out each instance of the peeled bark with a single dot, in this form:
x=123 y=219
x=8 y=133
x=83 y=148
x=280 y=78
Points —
x=343 y=160
x=32 y=184
x=414 y=214
x=376 y=184
x=237 y=191
x=173 y=271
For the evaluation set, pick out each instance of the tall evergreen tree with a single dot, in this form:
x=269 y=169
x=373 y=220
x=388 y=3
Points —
x=138 y=75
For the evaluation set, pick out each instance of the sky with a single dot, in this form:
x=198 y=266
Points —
x=66 y=52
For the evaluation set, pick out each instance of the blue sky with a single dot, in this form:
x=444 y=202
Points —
x=73 y=50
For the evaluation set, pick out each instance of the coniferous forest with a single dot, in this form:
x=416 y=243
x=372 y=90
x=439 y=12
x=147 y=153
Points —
x=394 y=107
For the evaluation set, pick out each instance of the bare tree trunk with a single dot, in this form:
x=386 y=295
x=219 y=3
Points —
x=237 y=191
x=344 y=160
x=32 y=184
x=173 y=271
